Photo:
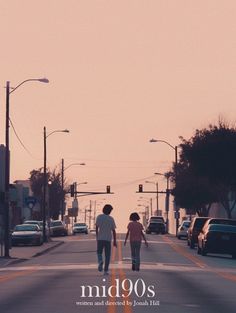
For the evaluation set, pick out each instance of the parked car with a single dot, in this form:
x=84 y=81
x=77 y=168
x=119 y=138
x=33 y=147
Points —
x=40 y=224
x=194 y=230
x=27 y=234
x=225 y=221
x=183 y=229
x=58 y=228
x=80 y=228
x=217 y=238
x=154 y=227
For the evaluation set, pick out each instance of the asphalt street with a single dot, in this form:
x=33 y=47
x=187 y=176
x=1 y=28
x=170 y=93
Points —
x=172 y=279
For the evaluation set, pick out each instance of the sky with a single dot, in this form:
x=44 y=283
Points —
x=121 y=72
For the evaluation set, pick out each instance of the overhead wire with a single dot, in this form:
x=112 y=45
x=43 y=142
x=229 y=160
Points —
x=20 y=141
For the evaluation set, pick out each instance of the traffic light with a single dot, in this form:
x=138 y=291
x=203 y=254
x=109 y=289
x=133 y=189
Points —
x=72 y=190
x=140 y=188
x=108 y=189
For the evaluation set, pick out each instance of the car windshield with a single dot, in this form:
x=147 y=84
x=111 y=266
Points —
x=186 y=224
x=26 y=227
x=199 y=222
x=32 y=222
x=80 y=224
x=223 y=221
x=57 y=223
x=222 y=227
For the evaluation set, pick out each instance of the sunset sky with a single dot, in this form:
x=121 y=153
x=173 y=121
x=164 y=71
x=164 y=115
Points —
x=121 y=72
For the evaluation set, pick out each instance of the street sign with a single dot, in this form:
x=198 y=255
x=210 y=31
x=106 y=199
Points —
x=30 y=202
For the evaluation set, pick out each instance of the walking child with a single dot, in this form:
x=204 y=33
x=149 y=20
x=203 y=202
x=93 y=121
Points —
x=105 y=229
x=135 y=231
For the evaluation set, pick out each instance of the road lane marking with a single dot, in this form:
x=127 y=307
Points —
x=127 y=308
x=179 y=249
x=13 y=275
x=227 y=276
x=112 y=308
x=186 y=254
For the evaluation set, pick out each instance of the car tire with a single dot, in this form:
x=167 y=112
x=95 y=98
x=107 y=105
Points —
x=179 y=237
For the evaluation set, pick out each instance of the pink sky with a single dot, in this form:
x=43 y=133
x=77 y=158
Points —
x=121 y=72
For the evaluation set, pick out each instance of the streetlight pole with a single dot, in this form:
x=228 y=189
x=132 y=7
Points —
x=167 y=176
x=45 y=136
x=7 y=160
x=63 y=169
x=157 y=198
x=175 y=148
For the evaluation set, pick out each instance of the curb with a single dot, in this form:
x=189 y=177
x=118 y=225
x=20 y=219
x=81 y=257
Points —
x=14 y=261
x=48 y=249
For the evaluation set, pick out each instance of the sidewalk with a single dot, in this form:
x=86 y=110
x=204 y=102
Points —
x=23 y=253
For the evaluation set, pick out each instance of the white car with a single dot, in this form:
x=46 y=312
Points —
x=27 y=234
x=79 y=228
x=183 y=229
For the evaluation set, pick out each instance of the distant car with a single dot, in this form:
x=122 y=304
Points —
x=58 y=228
x=183 y=229
x=156 y=219
x=154 y=227
x=217 y=238
x=80 y=228
x=27 y=234
x=194 y=230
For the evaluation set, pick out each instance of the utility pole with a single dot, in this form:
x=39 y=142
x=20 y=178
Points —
x=151 y=206
x=90 y=211
x=157 y=198
x=94 y=213
x=62 y=189
x=7 y=176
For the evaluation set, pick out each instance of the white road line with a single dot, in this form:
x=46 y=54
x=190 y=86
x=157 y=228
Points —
x=118 y=265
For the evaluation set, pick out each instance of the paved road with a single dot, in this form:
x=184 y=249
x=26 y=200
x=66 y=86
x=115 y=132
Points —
x=172 y=279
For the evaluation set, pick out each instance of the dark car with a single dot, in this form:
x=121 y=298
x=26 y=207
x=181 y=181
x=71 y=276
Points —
x=217 y=238
x=27 y=234
x=225 y=221
x=58 y=228
x=154 y=227
x=157 y=219
x=194 y=230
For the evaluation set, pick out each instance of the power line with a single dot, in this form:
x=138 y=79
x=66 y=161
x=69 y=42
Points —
x=20 y=141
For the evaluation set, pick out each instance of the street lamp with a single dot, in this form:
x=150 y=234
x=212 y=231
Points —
x=155 y=183
x=145 y=215
x=45 y=136
x=63 y=169
x=7 y=159
x=147 y=199
x=167 y=176
x=175 y=148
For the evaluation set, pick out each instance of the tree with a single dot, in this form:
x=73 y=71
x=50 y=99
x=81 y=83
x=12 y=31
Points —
x=54 y=191
x=207 y=168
